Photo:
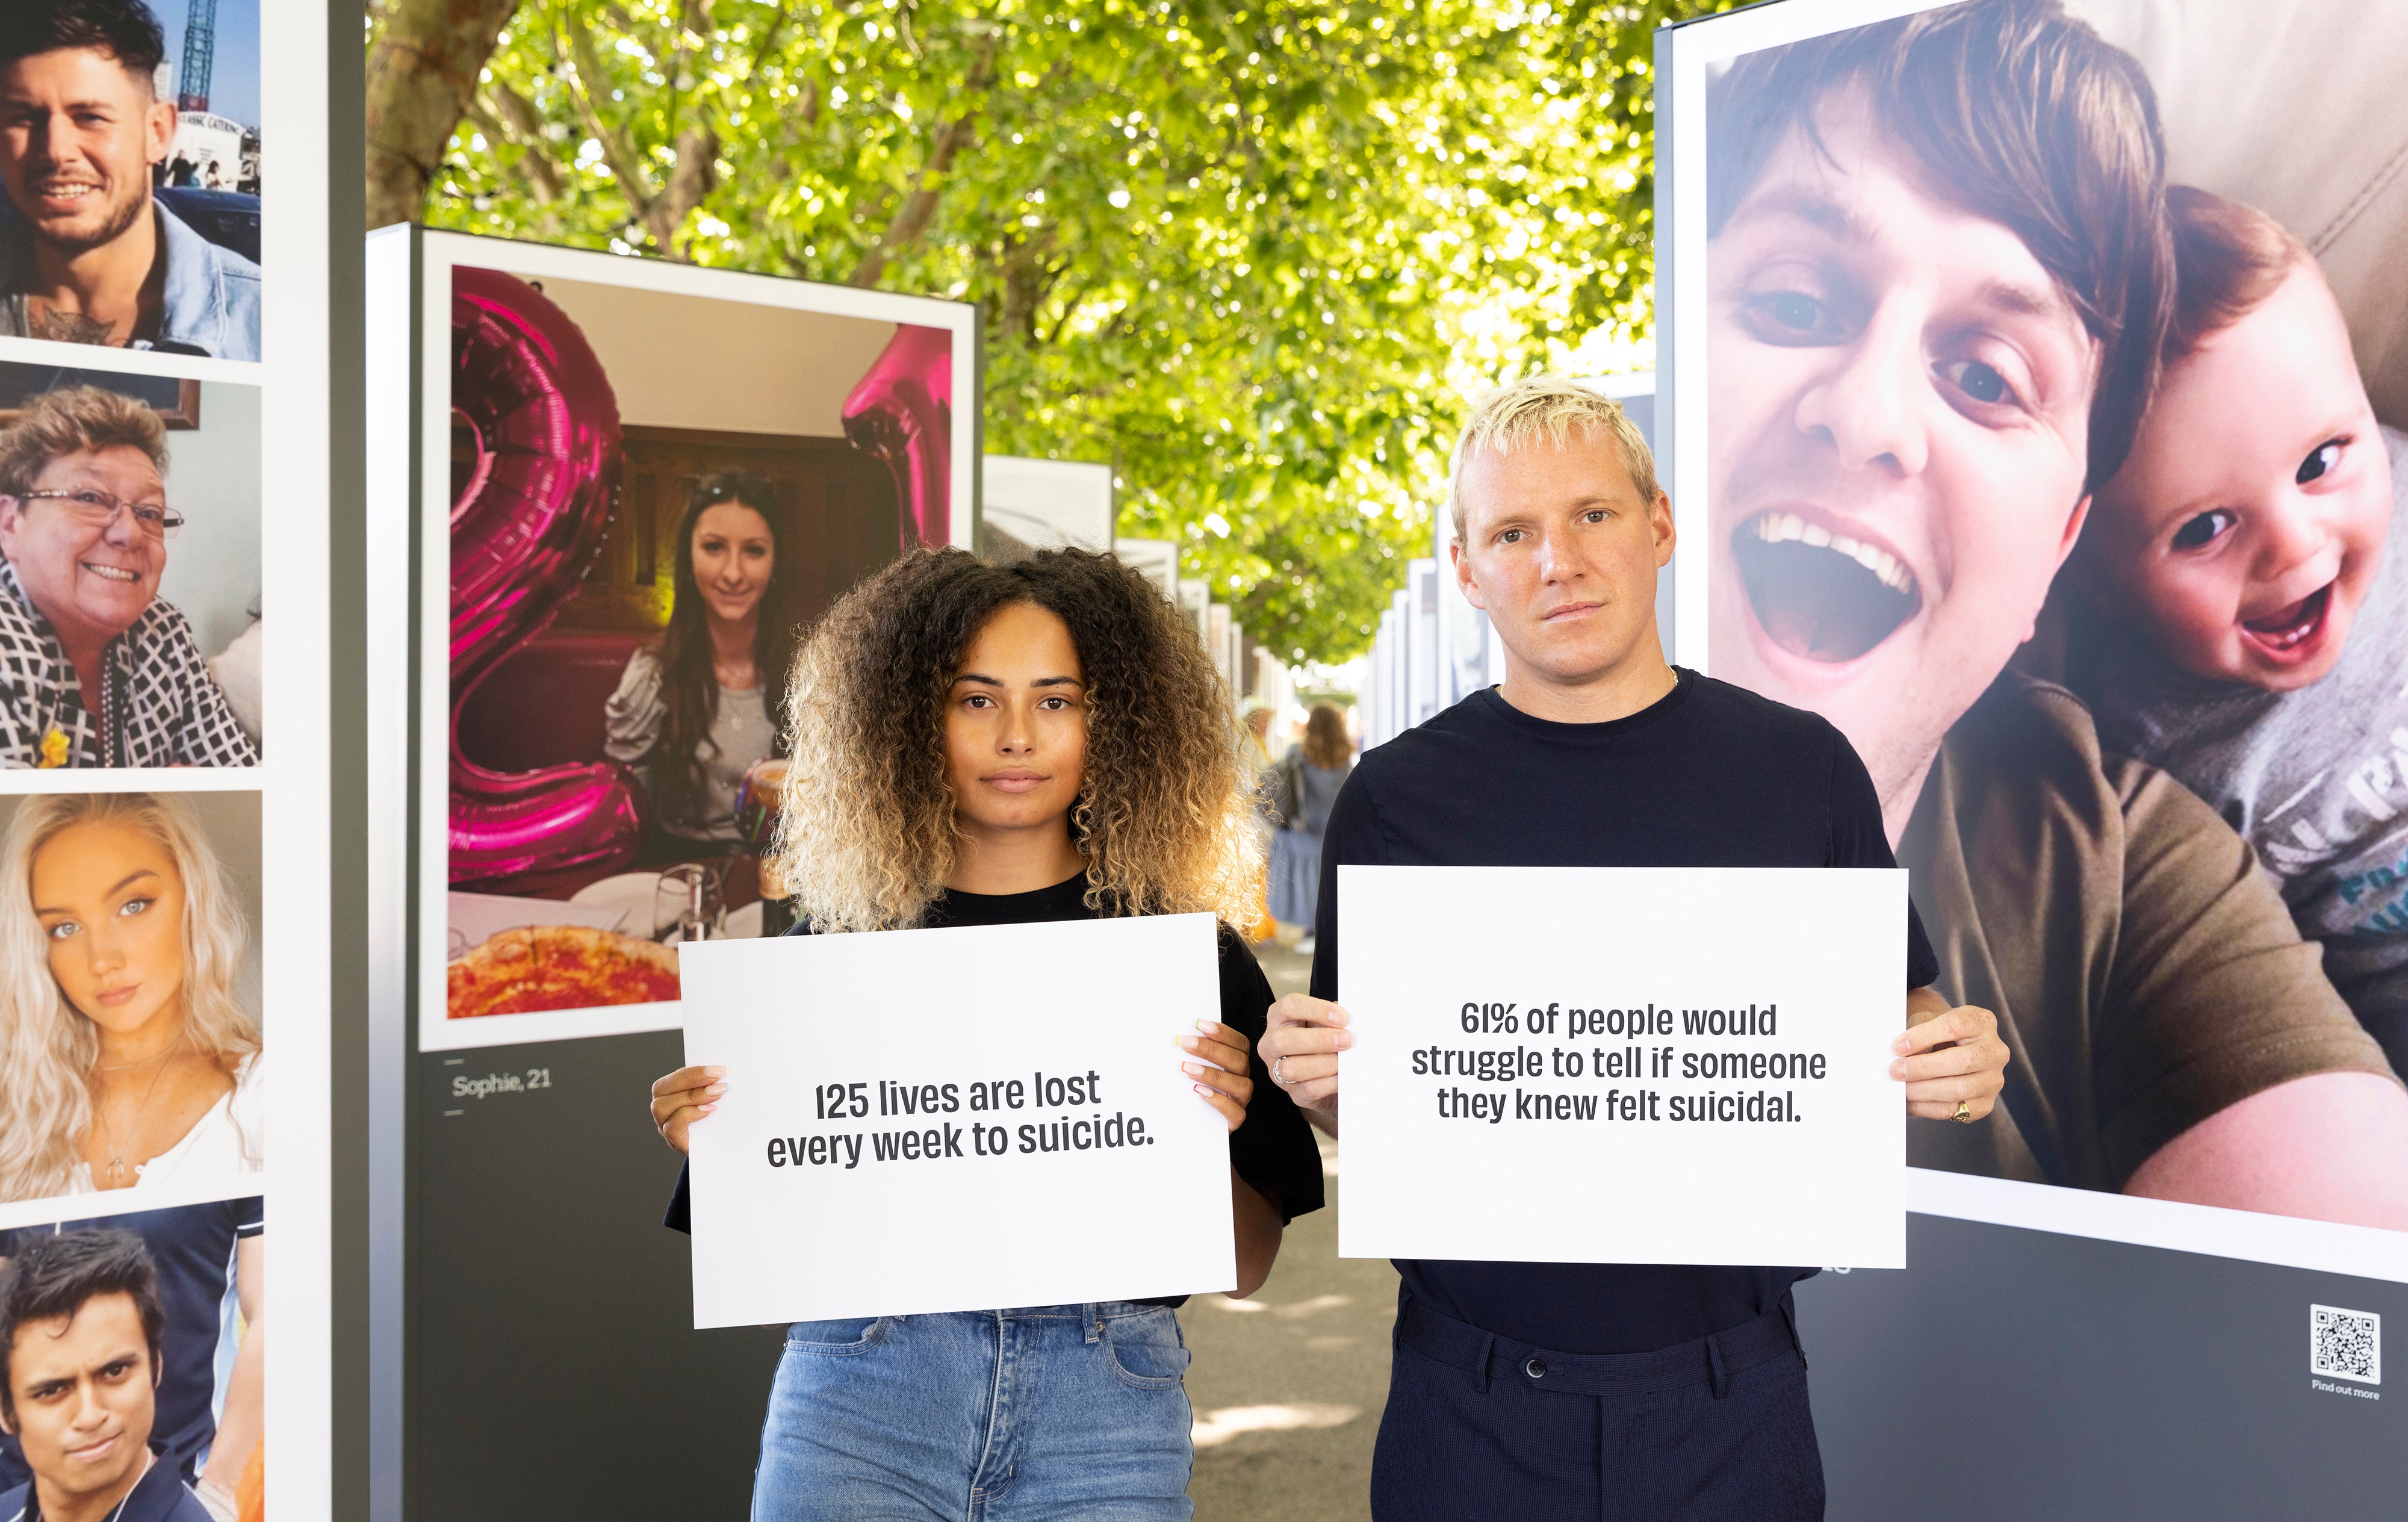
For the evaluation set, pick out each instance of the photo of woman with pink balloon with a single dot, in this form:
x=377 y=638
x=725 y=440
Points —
x=636 y=546
x=130 y=1043
x=694 y=713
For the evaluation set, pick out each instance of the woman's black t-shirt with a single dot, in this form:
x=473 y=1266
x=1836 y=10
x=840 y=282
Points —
x=1273 y=1150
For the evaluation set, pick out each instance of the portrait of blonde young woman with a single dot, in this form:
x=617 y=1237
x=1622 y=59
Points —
x=985 y=744
x=129 y=1058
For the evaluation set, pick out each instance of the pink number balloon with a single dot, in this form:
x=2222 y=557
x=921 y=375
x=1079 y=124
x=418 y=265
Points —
x=523 y=533
x=902 y=412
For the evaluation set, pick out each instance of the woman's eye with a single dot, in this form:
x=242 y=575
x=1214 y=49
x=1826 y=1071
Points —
x=1982 y=383
x=2204 y=529
x=132 y=907
x=2325 y=458
x=62 y=930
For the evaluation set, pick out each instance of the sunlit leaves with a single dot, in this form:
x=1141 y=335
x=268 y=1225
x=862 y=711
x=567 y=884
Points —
x=1255 y=256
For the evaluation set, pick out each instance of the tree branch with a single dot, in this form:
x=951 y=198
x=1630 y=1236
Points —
x=510 y=118
x=919 y=209
x=420 y=77
x=618 y=153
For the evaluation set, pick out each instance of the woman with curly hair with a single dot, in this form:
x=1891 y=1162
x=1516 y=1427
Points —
x=981 y=744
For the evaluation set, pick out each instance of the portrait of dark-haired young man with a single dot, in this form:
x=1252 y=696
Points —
x=80 y=1322
x=89 y=256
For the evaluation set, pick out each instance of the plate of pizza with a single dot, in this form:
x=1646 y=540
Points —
x=558 y=967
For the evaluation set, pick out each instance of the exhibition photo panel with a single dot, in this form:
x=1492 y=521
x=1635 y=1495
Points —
x=130 y=156
x=636 y=539
x=176 y=1295
x=130 y=969
x=2038 y=380
x=130 y=571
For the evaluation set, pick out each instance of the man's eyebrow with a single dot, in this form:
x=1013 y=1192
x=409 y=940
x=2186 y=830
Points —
x=2018 y=298
x=1820 y=212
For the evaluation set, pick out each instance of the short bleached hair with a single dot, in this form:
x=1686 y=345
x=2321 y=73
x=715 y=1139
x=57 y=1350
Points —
x=1546 y=408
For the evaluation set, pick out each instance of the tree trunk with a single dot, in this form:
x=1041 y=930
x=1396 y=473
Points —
x=421 y=75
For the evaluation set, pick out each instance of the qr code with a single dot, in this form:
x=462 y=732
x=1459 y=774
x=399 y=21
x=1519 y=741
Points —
x=2346 y=1344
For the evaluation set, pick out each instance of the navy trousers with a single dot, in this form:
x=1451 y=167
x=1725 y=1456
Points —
x=1483 y=1429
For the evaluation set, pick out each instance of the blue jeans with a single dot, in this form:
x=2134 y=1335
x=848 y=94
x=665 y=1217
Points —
x=1047 y=1412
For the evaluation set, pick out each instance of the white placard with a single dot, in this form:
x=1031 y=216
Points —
x=1507 y=1142
x=1067 y=1157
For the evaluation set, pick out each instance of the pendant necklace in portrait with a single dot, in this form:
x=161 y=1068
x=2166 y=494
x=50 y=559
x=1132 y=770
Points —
x=119 y=1174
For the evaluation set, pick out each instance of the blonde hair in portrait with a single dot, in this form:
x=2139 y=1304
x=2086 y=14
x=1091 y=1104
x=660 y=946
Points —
x=47 y=1046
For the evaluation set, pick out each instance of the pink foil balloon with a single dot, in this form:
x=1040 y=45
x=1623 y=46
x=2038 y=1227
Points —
x=524 y=532
x=902 y=412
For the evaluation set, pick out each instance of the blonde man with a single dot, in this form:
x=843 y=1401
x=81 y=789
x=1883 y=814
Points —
x=94 y=669
x=1530 y=1389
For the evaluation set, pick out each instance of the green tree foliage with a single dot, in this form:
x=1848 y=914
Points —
x=1254 y=254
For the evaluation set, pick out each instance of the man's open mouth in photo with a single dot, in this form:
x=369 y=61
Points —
x=1820 y=596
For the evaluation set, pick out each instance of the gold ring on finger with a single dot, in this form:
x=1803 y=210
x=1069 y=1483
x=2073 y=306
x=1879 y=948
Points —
x=1964 y=1113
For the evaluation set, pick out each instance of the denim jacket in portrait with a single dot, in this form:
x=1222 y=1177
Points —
x=211 y=302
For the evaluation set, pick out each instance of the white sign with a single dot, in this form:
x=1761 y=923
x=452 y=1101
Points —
x=956 y=1119
x=1616 y=1065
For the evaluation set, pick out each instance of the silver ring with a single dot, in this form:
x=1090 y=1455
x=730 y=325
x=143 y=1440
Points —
x=1275 y=1071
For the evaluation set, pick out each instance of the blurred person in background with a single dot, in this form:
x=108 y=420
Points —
x=1304 y=787
x=693 y=712
x=96 y=670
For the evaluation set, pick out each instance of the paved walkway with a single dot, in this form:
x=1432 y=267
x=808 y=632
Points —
x=1287 y=1387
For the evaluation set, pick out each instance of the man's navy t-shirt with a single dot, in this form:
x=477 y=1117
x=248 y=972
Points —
x=1711 y=775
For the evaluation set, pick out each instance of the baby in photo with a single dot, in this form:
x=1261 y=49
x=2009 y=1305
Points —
x=2242 y=625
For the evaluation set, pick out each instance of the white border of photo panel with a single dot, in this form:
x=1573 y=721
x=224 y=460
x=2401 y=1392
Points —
x=296 y=839
x=1695 y=50
x=440 y=252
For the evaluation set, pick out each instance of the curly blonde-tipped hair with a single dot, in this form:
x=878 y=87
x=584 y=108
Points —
x=47 y=1046
x=867 y=832
x=1546 y=408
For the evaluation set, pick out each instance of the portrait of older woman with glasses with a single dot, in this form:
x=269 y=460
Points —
x=95 y=670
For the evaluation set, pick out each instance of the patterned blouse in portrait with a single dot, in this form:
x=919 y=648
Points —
x=160 y=707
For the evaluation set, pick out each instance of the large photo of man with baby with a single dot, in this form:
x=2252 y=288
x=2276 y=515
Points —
x=652 y=494
x=2053 y=380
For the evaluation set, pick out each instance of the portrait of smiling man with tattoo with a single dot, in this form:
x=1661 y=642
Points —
x=90 y=257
